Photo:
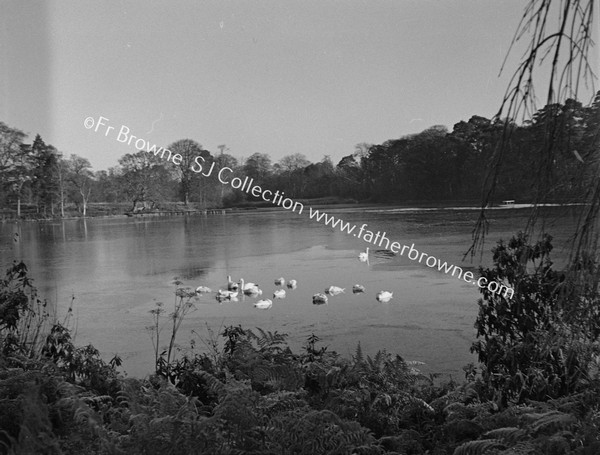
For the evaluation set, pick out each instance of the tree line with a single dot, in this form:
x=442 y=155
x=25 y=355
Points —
x=434 y=165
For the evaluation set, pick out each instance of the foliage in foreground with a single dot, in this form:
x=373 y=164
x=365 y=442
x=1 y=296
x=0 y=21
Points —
x=538 y=344
x=250 y=394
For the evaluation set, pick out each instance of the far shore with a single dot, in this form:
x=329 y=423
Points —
x=119 y=210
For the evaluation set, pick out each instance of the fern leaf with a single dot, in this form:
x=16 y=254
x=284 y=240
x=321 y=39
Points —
x=507 y=434
x=214 y=385
x=551 y=421
x=484 y=447
x=358 y=356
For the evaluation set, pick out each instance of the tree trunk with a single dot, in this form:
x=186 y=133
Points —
x=84 y=199
x=61 y=189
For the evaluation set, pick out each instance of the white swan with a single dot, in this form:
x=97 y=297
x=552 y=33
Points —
x=249 y=288
x=319 y=299
x=279 y=294
x=280 y=281
x=364 y=256
x=226 y=294
x=358 y=288
x=232 y=286
x=334 y=290
x=263 y=304
x=292 y=284
x=253 y=292
x=202 y=290
x=384 y=296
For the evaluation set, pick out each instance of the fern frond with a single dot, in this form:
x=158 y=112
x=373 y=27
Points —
x=551 y=421
x=483 y=447
x=281 y=402
x=407 y=399
x=458 y=411
x=85 y=414
x=507 y=434
x=358 y=355
x=214 y=385
x=278 y=377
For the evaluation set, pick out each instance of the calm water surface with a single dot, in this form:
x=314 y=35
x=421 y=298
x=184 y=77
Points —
x=118 y=269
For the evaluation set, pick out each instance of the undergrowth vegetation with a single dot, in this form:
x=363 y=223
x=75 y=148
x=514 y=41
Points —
x=536 y=390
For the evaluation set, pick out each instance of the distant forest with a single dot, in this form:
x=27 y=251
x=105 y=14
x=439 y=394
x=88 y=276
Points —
x=435 y=165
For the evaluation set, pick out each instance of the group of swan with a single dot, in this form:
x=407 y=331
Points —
x=277 y=293
x=252 y=289
x=249 y=289
x=320 y=298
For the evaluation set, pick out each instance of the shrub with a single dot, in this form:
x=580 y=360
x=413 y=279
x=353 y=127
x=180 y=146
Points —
x=529 y=346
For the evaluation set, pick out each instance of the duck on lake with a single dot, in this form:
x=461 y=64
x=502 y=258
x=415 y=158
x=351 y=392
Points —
x=203 y=290
x=280 y=281
x=292 y=284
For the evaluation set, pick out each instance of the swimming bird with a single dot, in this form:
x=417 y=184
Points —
x=226 y=294
x=280 y=281
x=364 y=256
x=319 y=299
x=292 y=284
x=253 y=292
x=358 y=288
x=232 y=286
x=202 y=290
x=263 y=304
x=384 y=296
x=334 y=290
x=279 y=294
x=248 y=288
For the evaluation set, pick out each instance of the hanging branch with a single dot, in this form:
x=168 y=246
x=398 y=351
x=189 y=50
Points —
x=568 y=47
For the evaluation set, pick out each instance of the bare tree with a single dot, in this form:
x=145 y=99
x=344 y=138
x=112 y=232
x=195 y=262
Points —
x=80 y=176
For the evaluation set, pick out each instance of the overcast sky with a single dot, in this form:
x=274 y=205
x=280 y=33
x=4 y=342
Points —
x=276 y=77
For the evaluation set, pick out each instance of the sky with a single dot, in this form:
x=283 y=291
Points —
x=314 y=77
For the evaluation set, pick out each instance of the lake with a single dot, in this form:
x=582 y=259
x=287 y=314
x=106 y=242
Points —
x=118 y=268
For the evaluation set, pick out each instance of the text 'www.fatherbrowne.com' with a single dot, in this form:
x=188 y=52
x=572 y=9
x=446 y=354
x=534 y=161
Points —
x=382 y=241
